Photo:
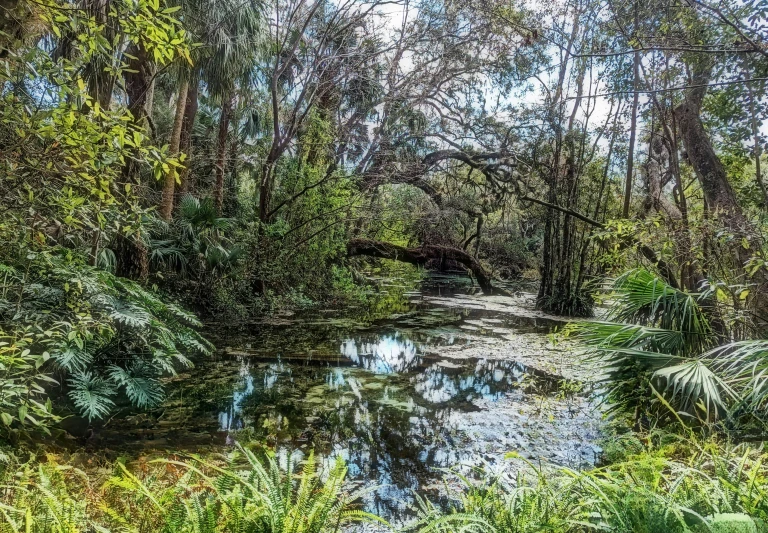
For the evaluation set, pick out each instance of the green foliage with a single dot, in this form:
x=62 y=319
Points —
x=22 y=385
x=676 y=485
x=681 y=488
x=732 y=523
x=195 y=246
x=64 y=147
x=662 y=338
x=106 y=333
x=299 y=252
x=63 y=199
x=236 y=493
x=640 y=297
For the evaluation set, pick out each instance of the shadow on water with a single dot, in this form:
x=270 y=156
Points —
x=380 y=395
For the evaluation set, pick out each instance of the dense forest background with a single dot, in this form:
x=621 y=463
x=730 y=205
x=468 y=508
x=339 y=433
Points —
x=166 y=163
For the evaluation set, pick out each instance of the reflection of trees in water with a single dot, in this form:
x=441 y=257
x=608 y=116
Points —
x=488 y=379
x=382 y=354
x=394 y=446
x=388 y=434
x=391 y=430
x=245 y=389
x=386 y=445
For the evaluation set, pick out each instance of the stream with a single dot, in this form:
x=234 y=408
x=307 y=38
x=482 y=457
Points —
x=441 y=378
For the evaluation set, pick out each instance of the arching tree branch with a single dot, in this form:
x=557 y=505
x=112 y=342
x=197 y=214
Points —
x=421 y=256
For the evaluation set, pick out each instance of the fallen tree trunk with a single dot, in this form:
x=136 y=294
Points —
x=422 y=256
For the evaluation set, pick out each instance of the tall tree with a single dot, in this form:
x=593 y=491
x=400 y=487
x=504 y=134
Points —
x=169 y=184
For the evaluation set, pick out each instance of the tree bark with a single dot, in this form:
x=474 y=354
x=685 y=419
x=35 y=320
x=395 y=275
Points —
x=139 y=88
x=421 y=256
x=632 y=135
x=221 y=153
x=720 y=196
x=658 y=158
x=169 y=186
x=190 y=112
x=139 y=83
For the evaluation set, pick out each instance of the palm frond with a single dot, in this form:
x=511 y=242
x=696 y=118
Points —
x=612 y=336
x=695 y=389
x=744 y=366
x=643 y=298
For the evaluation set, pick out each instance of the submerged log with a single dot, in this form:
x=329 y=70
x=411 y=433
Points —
x=423 y=255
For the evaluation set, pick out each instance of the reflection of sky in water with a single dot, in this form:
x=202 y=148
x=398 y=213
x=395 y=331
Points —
x=335 y=379
x=231 y=419
x=394 y=415
x=386 y=355
x=437 y=384
x=388 y=399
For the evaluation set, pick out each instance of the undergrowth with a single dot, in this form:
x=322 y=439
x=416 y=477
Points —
x=656 y=483
x=234 y=493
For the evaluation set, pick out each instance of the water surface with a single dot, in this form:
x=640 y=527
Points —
x=432 y=384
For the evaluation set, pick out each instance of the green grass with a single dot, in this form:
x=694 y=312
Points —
x=674 y=485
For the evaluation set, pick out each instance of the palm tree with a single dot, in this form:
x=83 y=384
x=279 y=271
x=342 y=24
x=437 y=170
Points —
x=228 y=33
x=657 y=336
x=194 y=243
x=232 y=37
x=169 y=185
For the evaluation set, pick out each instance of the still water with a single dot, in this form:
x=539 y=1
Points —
x=437 y=383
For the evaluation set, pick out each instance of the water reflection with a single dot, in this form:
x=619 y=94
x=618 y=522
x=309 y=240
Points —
x=447 y=381
x=384 y=354
x=386 y=398
x=394 y=413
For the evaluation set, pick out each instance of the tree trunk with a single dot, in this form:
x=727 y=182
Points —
x=230 y=200
x=423 y=255
x=101 y=80
x=139 y=88
x=632 y=135
x=658 y=158
x=169 y=186
x=139 y=83
x=560 y=290
x=221 y=153
x=720 y=198
x=190 y=112
x=758 y=151
x=265 y=189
